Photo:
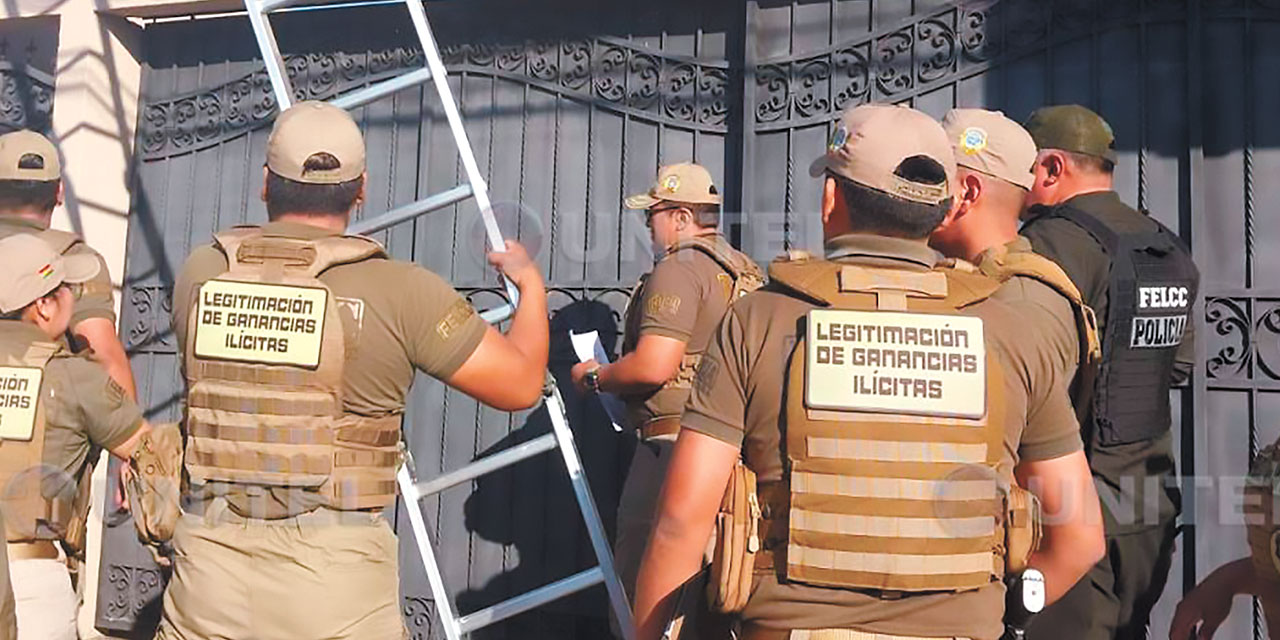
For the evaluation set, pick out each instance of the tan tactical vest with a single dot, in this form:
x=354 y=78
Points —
x=741 y=276
x=39 y=503
x=264 y=362
x=893 y=483
x=1002 y=264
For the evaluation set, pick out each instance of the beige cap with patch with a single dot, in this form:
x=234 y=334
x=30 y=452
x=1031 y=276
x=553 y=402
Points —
x=40 y=155
x=685 y=182
x=34 y=269
x=991 y=143
x=311 y=127
x=870 y=143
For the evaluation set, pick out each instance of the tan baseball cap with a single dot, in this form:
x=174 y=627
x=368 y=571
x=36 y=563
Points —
x=311 y=127
x=33 y=268
x=685 y=182
x=991 y=143
x=1071 y=127
x=871 y=141
x=19 y=144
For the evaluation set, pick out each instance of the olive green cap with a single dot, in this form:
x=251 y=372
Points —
x=1071 y=127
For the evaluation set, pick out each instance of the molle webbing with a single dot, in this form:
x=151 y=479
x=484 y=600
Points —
x=745 y=276
x=29 y=513
x=891 y=502
x=280 y=425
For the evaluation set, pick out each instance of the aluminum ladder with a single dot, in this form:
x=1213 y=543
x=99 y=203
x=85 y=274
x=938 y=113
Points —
x=561 y=437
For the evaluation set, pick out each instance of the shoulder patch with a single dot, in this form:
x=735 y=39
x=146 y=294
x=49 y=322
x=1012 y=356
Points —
x=454 y=318
x=115 y=392
x=660 y=304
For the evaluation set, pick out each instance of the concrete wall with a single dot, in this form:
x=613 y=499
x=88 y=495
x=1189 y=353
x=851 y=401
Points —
x=94 y=116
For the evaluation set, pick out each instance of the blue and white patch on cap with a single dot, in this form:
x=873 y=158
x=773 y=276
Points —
x=838 y=138
x=973 y=140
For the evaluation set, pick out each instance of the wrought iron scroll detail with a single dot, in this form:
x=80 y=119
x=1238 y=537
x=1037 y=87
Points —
x=1243 y=344
x=150 y=315
x=26 y=98
x=134 y=588
x=613 y=75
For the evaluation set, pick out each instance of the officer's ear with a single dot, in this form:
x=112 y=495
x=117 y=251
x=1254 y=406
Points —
x=364 y=180
x=970 y=191
x=828 y=197
x=263 y=195
x=1055 y=166
x=57 y=195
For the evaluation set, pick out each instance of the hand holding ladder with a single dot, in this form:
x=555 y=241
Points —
x=561 y=436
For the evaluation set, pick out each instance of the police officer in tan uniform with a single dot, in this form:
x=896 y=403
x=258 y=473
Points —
x=673 y=313
x=300 y=345
x=57 y=412
x=913 y=404
x=30 y=188
x=994 y=156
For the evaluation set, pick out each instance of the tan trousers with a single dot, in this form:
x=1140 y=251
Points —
x=323 y=575
x=637 y=506
x=44 y=601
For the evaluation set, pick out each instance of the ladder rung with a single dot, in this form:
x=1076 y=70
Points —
x=498 y=314
x=382 y=89
x=488 y=464
x=412 y=210
x=536 y=598
x=272 y=5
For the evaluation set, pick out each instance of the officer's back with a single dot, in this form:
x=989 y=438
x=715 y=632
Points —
x=882 y=401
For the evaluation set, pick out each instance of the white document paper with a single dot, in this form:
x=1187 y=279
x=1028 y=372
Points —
x=588 y=347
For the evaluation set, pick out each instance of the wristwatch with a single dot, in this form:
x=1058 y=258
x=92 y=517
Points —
x=592 y=380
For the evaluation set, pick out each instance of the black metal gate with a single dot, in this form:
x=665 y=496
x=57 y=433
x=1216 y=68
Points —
x=571 y=104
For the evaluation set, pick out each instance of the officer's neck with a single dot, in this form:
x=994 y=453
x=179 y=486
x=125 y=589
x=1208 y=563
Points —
x=991 y=229
x=40 y=217
x=326 y=221
x=1083 y=185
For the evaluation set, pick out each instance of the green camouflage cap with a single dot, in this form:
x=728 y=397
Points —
x=1071 y=127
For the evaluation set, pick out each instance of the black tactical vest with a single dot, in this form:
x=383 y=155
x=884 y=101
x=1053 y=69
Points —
x=1151 y=291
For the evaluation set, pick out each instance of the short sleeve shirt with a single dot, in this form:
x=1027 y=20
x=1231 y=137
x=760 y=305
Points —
x=404 y=318
x=85 y=410
x=683 y=298
x=96 y=299
x=737 y=399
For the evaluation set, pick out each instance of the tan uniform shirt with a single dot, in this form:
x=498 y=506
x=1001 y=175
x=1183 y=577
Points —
x=737 y=398
x=684 y=298
x=406 y=319
x=96 y=300
x=1054 y=317
x=85 y=410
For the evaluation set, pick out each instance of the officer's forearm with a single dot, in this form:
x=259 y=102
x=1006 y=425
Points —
x=654 y=361
x=1065 y=556
x=673 y=556
x=629 y=375
x=529 y=332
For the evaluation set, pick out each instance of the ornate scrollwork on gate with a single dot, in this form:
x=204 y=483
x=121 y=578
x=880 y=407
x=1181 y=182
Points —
x=1243 y=344
x=134 y=588
x=613 y=75
x=150 y=312
x=26 y=98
